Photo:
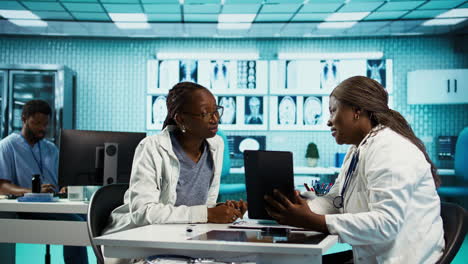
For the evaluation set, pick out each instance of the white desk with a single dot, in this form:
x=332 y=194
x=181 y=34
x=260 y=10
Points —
x=72 y=233
x=299 y=170
x=173 y=239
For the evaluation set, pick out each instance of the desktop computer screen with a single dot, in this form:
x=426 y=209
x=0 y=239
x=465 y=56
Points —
x=96 y=157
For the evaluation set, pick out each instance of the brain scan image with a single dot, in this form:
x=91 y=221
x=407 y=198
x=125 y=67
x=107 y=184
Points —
x=287 y=110
x=312 y=111
x=159 y=110
x=229 y=114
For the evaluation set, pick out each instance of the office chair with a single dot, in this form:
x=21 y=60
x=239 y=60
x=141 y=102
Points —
x=461 y=167
x=228 y=188
x=102 y=203
x=455 y=221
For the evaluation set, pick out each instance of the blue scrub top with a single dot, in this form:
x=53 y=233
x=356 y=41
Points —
x=17 y=163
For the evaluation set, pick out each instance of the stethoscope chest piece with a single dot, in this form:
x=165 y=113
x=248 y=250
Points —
x=338 y=202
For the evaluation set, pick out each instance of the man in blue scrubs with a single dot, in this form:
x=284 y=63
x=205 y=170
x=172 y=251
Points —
x=28 y=153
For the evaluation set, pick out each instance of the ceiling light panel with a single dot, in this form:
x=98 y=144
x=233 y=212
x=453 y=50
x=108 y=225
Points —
x=336 y=25
x=28 y=23
x=234 y=26
x=460 y=12
x=18 y=14
x=233 y=18
x=443 y=22
x=351 y=16
x=128 y=17
x=132 y=25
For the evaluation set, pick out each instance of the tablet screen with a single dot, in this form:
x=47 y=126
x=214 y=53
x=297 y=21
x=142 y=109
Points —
x=261 y=237
x=265 y=171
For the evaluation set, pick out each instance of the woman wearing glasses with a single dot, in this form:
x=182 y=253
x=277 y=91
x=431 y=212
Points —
x=384 y=202
x=176 y=174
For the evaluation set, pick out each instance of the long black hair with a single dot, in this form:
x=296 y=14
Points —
x=179 y=95
x=367 y=94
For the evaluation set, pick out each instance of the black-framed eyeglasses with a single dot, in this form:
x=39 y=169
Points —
x=209 y=115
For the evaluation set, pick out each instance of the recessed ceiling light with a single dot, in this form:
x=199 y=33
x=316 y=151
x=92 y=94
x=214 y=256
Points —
x=233 y=18
x=128 y=17
x=351 y=16
x=457 y=12
x=18 y=14
x=234 y=26
x=124 y=25
x=336 y=24
x=443 y=21
x=28 y=22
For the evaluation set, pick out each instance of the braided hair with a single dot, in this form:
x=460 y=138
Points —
x=178 y=96
x=367 y=94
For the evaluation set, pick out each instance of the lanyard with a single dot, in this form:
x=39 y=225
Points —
x=350 y=172
x=38 y=162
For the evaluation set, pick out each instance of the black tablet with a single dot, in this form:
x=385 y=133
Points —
x=265 y=171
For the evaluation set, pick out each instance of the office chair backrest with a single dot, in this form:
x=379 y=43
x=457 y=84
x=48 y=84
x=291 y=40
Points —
x=102 y=203
x=455 y=220
x=461 y=155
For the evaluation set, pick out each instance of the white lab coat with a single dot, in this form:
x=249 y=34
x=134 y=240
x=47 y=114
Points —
x=152 y=193
x=391 y=208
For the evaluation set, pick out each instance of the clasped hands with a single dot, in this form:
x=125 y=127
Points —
x=227 y=212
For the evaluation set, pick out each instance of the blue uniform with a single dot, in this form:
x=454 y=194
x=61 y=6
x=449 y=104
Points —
x=19 y=161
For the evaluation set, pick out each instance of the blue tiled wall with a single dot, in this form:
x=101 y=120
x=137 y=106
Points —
x=111 y=92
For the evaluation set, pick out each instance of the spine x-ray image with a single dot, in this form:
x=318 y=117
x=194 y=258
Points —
x=312 y=111
x=376 y=70
x=246 y=74
x=159 y=110
x=188 y=70
x=253 y=110
x=229 y=114
x=330 y=74
x=287 y=110
x=219 y=74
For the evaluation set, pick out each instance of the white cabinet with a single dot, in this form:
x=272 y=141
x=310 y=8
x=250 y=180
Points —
x=438 y=86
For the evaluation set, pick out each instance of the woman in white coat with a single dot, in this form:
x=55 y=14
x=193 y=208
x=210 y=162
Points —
x=384 y=202
x=176 y=174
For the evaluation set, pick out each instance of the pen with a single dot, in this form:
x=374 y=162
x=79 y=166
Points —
x=307 y=187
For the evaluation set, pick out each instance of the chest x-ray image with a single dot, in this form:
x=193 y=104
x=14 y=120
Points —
x=219 y=74
x=188 y=70
x=287 y=110
x=254 y=110
x=312 y=111
x=229 y=113
x=159 y=110
x=376 y=71
x=330 y=74
x=246 y=74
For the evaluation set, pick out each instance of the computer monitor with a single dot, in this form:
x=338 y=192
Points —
x=96 y=157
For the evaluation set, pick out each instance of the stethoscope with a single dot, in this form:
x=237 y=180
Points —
x=339 y=200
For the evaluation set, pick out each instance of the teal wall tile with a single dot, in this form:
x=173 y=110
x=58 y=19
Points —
x=111 y=79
